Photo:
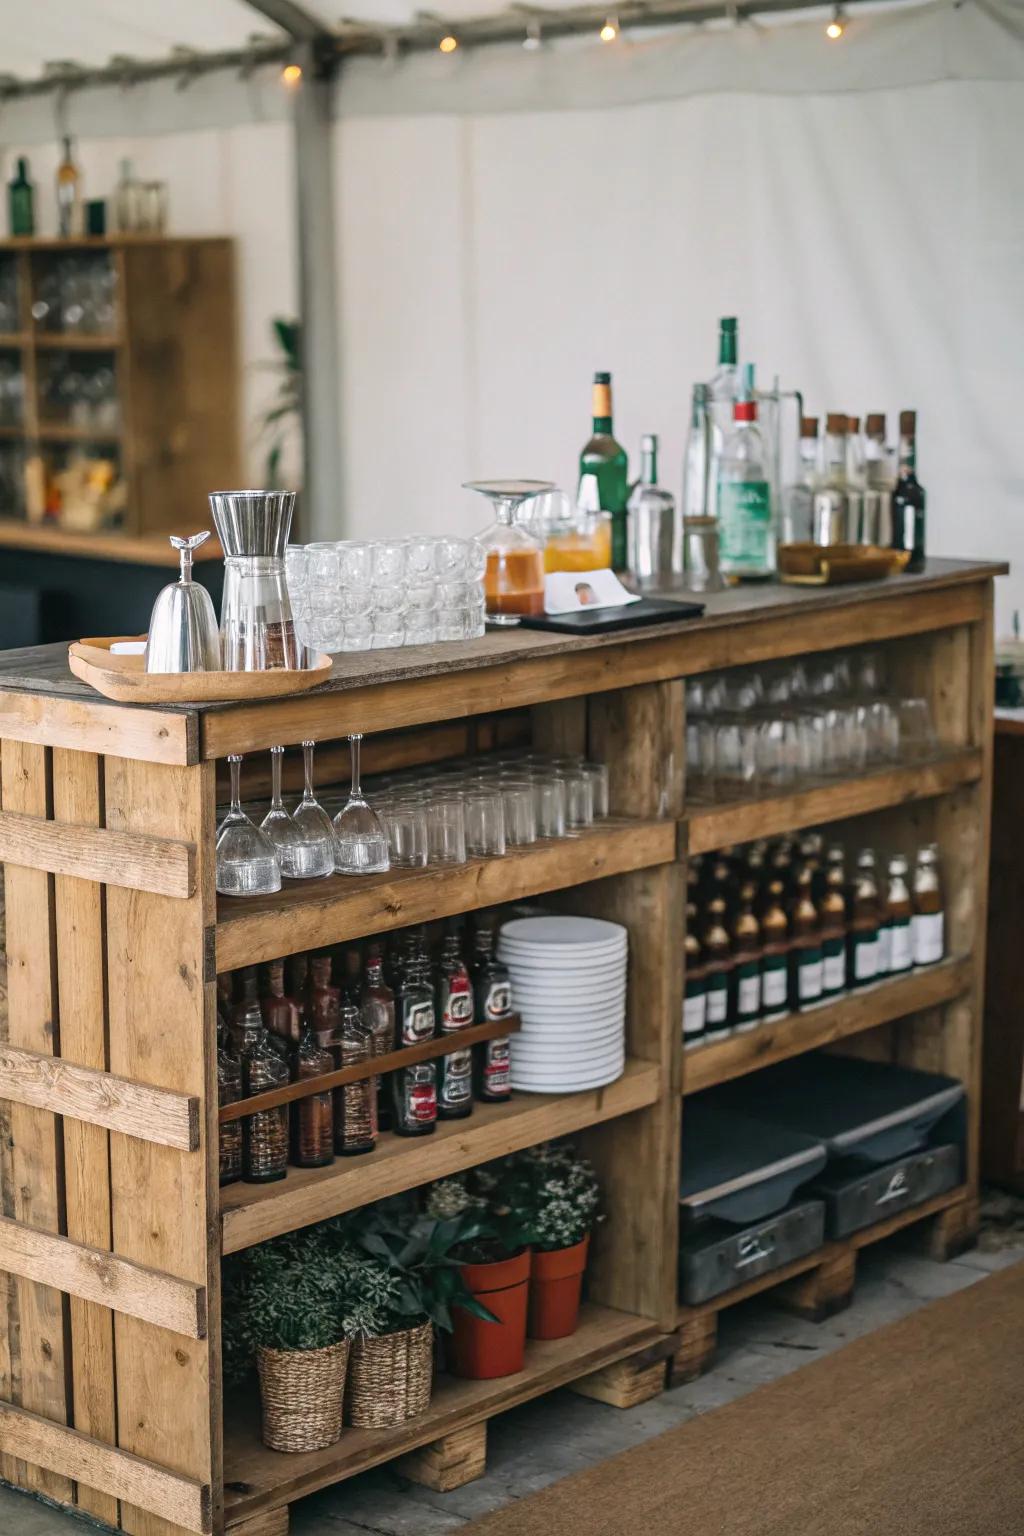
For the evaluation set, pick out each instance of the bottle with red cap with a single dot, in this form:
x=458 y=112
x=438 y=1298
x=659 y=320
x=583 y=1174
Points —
x=746 y=527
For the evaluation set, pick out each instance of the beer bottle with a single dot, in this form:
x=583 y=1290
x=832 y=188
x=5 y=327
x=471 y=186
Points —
x=833 y=925
x=774 y=956
x=492 y=992
x=719 y=969
x=414 y=1089
x=805 y=955
x=862 y=951
x=695 y=1000
x=927 y=925
x=746 y=945
x=898 y=916
x=455 y=1012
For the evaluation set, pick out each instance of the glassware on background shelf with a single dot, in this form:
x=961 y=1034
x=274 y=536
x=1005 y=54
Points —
x=406 y=826
x=300 y=857
x=246 y=861
x=362 y=845
x=446 y=830
x=10 y=308
x=597 y=773
x=916 y=731
x=257 y=628
x=309 y=815
x=514 y=576
x=485 y=823
x=520 y=812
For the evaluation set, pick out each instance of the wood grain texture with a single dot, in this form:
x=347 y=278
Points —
x=96 y=1275
x=454 y=1461
x=252 y=1212
x=729 y=822
x=82 y=989
x=100 y=1098
x=36 y=1169
x=312 y=914
x=162 y=1031
x=121 y=1475
x=149 y=735
x=93 y=853
x=815 y=1027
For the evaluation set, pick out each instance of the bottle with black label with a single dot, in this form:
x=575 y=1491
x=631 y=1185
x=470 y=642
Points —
x=455 y=1012
x=805 y=956
x=414 y=1088
x=695 y=999
x=833 y=924
x=927 y=925
x=862 y=951
x=746 y=948
x=718 y=960
x=775 y=940
x=899 y=917
x=492 y=993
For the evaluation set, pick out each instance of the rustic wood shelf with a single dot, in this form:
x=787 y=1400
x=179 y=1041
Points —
x=850 y=1015
x=250 y=1213
x=76 y=341
x=311 y=914
x=257 y=1479
x=61 y=432
x=739 y=821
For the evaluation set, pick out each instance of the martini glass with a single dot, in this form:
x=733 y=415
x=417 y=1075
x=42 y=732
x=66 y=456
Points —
x=514 y=578
x=362 y=844
x=311 y=818
x=246 y=860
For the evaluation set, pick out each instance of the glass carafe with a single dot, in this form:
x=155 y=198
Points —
x=514 y=578
x=257 y=628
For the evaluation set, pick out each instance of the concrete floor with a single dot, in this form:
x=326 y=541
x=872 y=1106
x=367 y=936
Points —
x=542 y=1441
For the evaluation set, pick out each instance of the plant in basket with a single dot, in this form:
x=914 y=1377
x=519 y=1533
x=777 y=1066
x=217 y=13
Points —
x=555 y=1194
x=488 y=1339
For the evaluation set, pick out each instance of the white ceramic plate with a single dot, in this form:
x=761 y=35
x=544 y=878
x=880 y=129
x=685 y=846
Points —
x=565 y=1084
x=563 y=930
x=574 y=1045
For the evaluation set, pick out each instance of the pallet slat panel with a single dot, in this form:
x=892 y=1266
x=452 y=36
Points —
x=100 y=1098
x=93 y=853
x=151 y=735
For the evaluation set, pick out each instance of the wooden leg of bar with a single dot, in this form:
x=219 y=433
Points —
x=624 y=1383
x=823 y=1291
x=458 y=1458
x=953 y=1231
x=696 y=1343
x=272 y=1522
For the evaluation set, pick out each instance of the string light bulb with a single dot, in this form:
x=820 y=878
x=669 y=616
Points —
x=610 y=31
x=532 y=40
x=291 y=74
x=837 y=26
x=448 y=43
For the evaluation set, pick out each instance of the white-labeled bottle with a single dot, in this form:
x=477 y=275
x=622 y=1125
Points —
x=927 y=925
x=746 y=527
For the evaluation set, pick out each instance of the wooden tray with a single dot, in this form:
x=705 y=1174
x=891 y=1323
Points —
x=124 y=678
x=829 y=565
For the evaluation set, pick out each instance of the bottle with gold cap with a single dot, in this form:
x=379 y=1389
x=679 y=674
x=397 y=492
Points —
x=830 y=510
x=746 y=948
x=862 y=951
x=719 y=967
x=805 y=956
x=898 y=916
x=774 y=955
x=695 y=989
x=833 y=924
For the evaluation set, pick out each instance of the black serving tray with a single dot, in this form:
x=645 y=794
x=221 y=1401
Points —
x=602 y=621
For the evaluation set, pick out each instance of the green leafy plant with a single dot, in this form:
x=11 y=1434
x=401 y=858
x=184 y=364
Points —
x=554 y=1193
x=494 y=1229
x=284 y=415
x=285 y=1294
x=420 y=1252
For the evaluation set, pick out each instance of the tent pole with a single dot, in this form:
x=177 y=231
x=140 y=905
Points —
x=321 y=515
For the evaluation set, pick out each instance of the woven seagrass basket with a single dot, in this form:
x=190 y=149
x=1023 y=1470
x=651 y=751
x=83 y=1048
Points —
x=389 y=1378
x=302 y=1391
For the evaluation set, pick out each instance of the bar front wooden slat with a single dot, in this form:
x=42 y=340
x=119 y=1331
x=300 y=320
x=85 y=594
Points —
x=162 y=1011
x=97 y=1276
x=100 y=1098
x=250 y=1213
x=314 y=913
x=93 y=853
x=739 y=821
x=147 y=1484
x=39 y=1371
x=82 y=987
x=148 y=735
x=850 y=1015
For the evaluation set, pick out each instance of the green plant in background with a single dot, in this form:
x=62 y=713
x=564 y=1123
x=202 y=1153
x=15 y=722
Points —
x=495 y=1229
x=553 y=1191
x=419 y=1250
x=284 y=416
x=287 y=1296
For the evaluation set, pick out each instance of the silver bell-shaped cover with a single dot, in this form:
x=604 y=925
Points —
x=183 y=633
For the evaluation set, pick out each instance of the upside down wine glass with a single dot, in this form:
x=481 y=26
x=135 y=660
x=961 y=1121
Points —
x=514 y=578
x=301 y=857
x=362 y=845
x=246 y=861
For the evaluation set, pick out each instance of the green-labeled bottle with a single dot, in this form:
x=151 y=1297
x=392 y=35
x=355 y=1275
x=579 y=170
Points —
x=21 y=201
x=604 y=471
x=746 y=529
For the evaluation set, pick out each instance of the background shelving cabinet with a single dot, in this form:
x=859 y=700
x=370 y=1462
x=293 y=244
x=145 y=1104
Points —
x=118 y=380
x=114 y=1225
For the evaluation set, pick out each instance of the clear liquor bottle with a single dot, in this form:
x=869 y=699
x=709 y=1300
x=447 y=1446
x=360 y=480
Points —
x=655 y=549
x=698 y=481
x=797 y=522
x=746 y=525
x=830 y=505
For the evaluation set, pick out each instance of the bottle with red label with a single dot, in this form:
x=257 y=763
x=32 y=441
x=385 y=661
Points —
x=414 y=1088
x=492 y=991
x=455 y=1012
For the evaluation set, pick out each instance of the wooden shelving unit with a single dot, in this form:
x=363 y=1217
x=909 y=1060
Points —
x=114 y=929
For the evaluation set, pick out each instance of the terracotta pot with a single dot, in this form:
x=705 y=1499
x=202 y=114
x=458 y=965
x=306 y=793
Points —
x=481 y=1350
x=556 y=1280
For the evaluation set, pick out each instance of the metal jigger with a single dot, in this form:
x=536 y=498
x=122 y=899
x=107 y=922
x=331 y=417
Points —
x=183 y=633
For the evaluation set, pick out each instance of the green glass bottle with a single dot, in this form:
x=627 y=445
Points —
x=604 y=477
x=21 y=202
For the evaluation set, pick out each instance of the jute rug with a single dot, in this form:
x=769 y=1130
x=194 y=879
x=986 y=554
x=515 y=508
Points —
x=916 y=1430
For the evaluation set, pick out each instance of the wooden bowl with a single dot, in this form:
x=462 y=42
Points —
x=829 y=565
x=125 y=679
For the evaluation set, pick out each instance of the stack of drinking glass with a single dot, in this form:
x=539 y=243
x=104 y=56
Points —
x=375 y=594
x=777 y=727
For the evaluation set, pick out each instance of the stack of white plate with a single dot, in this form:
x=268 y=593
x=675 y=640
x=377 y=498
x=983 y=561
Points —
x=569 y=988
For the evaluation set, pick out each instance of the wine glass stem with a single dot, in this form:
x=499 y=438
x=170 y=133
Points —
x=355 y=743
x=307 y=759
x=276 y=754
x=236 y=784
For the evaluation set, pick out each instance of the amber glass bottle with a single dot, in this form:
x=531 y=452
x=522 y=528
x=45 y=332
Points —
x=695 y=998
x=899 y=916
x=775 y=943
x=805 y=956
x=718 y=960
x=312 y=1118
x=928 y=922
x=323 y=1002
x=281 y=1014
x=833 y=925
x=264 y=1134
x=746 y=948
x=355 y=1104
x=862 y=951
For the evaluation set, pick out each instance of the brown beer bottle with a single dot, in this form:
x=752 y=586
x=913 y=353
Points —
x=899 y=916
x=746 y=948
x=805 y=955
x=718 y=962
x=281 y=1014
x=774 y=955
x=695 y=1001
x=862 y=951
x=833 y=925
x=928 y=922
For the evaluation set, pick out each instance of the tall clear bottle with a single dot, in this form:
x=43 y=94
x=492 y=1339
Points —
x=604 y=471
x=69 y=194
x=655 y=551
x=831 y=508
x=746 y=525
x=698 y=484
x=724 y=386
x=797 y=517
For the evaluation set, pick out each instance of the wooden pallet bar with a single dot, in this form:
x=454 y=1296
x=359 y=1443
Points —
x=133 y=860
x=100 y=1098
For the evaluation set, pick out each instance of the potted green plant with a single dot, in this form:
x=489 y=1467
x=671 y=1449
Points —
x=291 y=1308
x=489 y=1339
x=555 y=1194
